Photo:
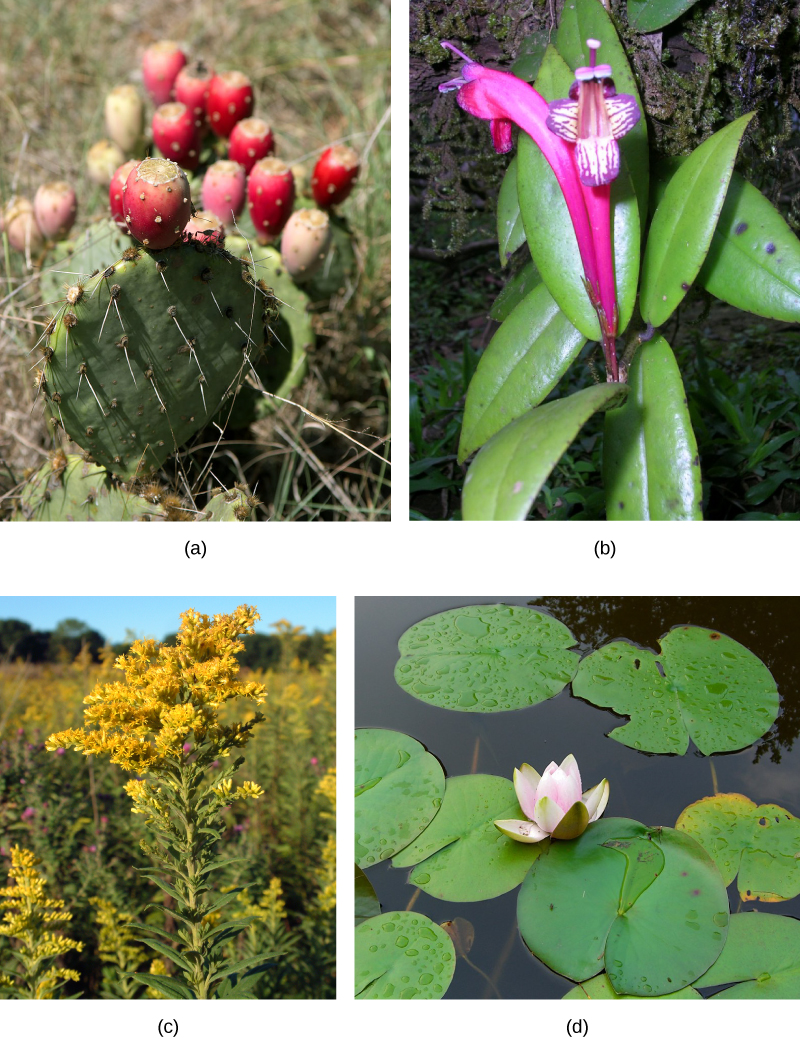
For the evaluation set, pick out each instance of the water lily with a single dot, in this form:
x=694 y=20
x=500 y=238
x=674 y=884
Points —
x=554 y=803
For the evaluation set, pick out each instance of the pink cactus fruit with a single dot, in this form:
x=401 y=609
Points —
x=270 y=194
x=20 y=225
x=176 y=136
x=334 y=175
x=191 y=89
x=224 y=190
x=102 y=160
x=230 y=99
x=56 y=206
x=250 y=140
x=124 y=113
x=116 y=188
x=305 y=242
x=157 y=202
x=205 y=227
x=161 y=64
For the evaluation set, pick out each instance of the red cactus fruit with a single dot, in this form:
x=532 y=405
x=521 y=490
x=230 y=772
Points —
x=101 y=161
x=270 y=194
x=116 y=188
x=224 y=189
x=157 y=202
x=230 y=99
x=161 y=64
x=250 y=140
x=205 y=227
x=305 y=242
x=176 y=136
x=124 y=113
x=334 y=175
x=20 y=225
x=191 y=89
x=56 y=207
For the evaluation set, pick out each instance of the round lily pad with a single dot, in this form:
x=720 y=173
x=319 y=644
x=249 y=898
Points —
x=702 y=684
x=399 y=788
x=462 y=856
x=762 y=954
x=402 y=956
x=601 y=988
x=486 y=659
x=759 y=842
x=367 y=904
x=647 y=904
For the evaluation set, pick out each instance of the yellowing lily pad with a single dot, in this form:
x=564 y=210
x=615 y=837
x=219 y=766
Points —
x=702 y=684
x=759 y=842
x=648 y=905
x=601 y=988
x=762 y=955
x=486 y=658
x=399 y=788
x=402 y=956
x=462 y=856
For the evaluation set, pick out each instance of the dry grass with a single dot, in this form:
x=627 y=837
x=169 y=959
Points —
x=321 y=72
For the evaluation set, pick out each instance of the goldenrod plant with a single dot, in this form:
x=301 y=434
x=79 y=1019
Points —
x=162 y=724
x=28 y=920
x=116 y=948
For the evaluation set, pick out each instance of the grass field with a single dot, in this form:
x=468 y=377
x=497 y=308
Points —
x=321 y=74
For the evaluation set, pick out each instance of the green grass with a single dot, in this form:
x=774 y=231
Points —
x=321 y=74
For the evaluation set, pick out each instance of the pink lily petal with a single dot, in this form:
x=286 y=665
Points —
x=526 y=782
x=570 y=767
x=548 y=814
x=560 y=787
x=596 y=800
x=521 y=830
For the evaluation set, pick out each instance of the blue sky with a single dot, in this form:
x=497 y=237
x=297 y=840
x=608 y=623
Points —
x=157 y=616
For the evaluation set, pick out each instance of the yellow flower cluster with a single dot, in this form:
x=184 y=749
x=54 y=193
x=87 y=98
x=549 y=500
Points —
x=27 y=915
x=170 y=695
x=225 y=790
x=327 y=787
x=326 y=876
x=115 y=936
x=271 y=908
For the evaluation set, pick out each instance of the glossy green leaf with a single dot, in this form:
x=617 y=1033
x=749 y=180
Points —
x=702 y=684
x=651 y=466
x=601 y=988
x=367 y=904
x=548 y=227
x=649 y=15
x=524 y=361
x=529 y=55
x=754 y=259
x=510 y=232
x=576 y=915
x=486 y=659
x=583 y=20
x=172 y=988
x=402 y=956
x=515 y=291
x=684 y=222
x=759 y=842
x=462 y=856
x=399 y=788
x=762 y=954
x=509 y=471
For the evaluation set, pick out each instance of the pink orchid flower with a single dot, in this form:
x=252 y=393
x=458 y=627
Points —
x=578 y=138
x=554 y=803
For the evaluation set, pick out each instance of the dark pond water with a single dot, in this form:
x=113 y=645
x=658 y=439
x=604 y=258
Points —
x=650 y=788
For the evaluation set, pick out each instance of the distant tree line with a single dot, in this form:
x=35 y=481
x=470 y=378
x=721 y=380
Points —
x=19 y=640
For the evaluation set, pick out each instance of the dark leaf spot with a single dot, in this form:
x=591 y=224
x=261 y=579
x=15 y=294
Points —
x=770 y=247
x=740 y=228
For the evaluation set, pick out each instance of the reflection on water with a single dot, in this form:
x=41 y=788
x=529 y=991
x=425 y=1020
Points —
x=650 y=788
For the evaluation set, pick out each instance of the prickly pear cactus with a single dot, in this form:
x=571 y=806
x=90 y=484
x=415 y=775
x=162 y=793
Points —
x=99 y=245
x=143 y=354
x=231 y=506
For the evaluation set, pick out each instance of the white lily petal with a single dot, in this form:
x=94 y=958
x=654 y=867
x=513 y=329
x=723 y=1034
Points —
x=526 y=783
x=548 y=814
x=522 y=830
x=570 y=766
x=596 y=800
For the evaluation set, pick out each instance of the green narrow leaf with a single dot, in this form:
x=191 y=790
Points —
x=242 y=967
x=754 y=259
x=583 y=20
x=239 y=987
x=510 y=232
x=650 y=463
x=238 y=925
x=168 y=888
x=529 y=56
x=509 y=471
x=524 y=361
x=166 y=950
x=684 y=222
x=223 y=901
x=219 y=865
x=171 y=987
x=514 y=291
x=649 y=15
